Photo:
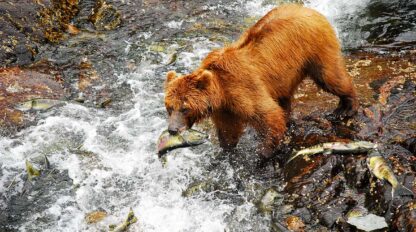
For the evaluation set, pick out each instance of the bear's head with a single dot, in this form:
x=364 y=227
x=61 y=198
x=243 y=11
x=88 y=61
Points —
x=189 y=98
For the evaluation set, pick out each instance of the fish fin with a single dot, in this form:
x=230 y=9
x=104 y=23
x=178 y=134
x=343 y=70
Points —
x=327 y=152
x=276 y=226
x=402 y=190
x=47 y=163
x=292 y=157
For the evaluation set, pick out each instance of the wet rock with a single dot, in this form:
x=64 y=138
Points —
x=295 y=224
x=356 y=172
x=395 y=27
x=304 y=214
x=368 y=222
x=405 y=217
x=91 y=89
x=20 y=34
x=35 y=197
x=87 y=74
x=24 y=84
x=55 y=18
x=105 y=16
x=328 y=186
x=86 y=9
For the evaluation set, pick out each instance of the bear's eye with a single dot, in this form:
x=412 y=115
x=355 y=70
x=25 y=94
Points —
x=169 y=109
x=184 y=110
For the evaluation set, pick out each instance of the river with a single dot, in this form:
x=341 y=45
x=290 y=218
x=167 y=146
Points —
x=106 y=160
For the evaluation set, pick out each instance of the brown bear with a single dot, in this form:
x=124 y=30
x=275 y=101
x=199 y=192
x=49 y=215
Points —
x=251 y=82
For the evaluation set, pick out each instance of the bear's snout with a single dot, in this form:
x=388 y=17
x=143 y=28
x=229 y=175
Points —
x=177 y=123
x=172 y=131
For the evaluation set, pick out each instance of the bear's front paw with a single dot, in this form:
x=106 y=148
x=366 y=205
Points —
x=265 y=152
x=346 y=109
x=229 y=150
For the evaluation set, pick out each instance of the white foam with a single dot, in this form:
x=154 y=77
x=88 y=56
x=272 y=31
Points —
x=174 y=24
x=341 y=15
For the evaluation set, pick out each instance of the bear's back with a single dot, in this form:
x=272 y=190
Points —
x=290 y=22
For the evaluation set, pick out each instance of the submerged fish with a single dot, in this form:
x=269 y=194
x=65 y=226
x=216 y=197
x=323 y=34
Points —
x=168 y=142
x=336 y=147
x=47 y=163
x=172 y=58
x=123 y=227
x=38 y=104
x=357 y=211
x=265 y=205
x=197 y=187
x=379 y=168
x=31 y=171
x=95 y=216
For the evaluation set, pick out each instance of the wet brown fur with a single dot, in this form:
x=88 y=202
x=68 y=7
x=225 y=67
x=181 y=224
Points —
x=252 y=81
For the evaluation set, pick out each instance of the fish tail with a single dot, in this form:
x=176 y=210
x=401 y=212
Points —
x=402 y=190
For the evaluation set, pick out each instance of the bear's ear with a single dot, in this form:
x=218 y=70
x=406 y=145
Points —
x=170 y=76
x=204 y=80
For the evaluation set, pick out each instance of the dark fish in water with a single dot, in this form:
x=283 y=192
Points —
x=123 y=227
x=357 y=211
x=265 y=205
x=379 y=168
x=196 y=187
x=336 y=147
x=47 y=163
x=31 y=171
x=190 y=137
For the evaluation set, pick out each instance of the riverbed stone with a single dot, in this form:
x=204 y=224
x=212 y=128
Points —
x=23 y=84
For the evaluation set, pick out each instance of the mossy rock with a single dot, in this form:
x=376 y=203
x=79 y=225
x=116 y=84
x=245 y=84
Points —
x=105 y=17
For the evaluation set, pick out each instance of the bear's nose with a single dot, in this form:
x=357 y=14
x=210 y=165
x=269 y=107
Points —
x=173 y=131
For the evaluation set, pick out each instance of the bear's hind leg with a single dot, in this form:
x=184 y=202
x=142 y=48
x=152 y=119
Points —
x=286 y=104
x=229 y=129
x=332 y=77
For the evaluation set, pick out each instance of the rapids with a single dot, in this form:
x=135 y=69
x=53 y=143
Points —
x=106 y=159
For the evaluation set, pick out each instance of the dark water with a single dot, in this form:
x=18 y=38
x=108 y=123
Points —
x=372 y=24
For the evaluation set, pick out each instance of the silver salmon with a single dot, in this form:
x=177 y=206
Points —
x=336 y=147
x=190 y=137
x=123 y=227
x=38 y=104
x=379 y=168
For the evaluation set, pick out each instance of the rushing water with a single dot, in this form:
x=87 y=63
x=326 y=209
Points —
x=110 y=156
